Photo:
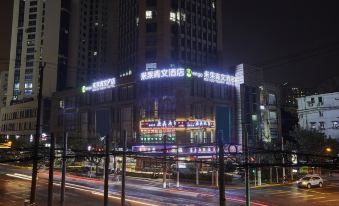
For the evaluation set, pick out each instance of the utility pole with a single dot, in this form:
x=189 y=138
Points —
x=51 y=170
x=196 y=167
x=107 y=142
x=37 y=135
x=247 y=169
x=63 y=170
x=164 y=164
x=221 y=169
x=123 y=179
x=178 y=184
x=283 y=158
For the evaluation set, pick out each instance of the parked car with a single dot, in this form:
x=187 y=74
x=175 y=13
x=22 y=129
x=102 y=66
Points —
x=309 y=181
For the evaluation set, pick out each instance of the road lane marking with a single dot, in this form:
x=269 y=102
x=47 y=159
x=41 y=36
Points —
x=315 y=198
x=328 y=201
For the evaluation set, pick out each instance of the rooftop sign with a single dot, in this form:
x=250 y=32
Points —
x=99 y=85
x=208 y=76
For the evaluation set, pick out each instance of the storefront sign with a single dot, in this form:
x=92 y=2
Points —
x=177 y=124
x=172 y=149
x=99 y=85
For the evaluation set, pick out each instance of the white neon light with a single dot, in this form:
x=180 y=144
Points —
x=218 y=78
x=100 y=85
x=163 y=73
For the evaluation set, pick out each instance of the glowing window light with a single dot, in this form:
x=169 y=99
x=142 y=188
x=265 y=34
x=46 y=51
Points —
x=99 y=85
x=149 y=14
x=173 y=16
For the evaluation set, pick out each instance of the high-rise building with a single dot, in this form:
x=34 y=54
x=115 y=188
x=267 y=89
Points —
x=39 y=32
x=163 y=34
x=90 y=44
x=3 y=88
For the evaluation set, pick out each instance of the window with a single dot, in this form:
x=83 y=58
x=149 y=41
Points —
x=151 y=3
x=31 y=36
x=30 y=49
x=28 y=85
x=33 y=3
x=335 y=125
x=321 y=113
x=34 y=9
x=32 y=16
x=31 y=23
x=320 y=101
x=313 y=124
x=151 y=27
x=172 y=16
x=149 y=14
x=321 y=125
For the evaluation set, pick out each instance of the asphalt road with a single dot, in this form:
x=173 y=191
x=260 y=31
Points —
x=290 y=195
x=15 y=188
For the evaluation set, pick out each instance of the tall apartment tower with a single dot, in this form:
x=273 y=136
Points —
x=90 y=45
x=39 y=32
x=162 y=34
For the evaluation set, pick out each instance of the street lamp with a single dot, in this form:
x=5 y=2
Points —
x=328 y=149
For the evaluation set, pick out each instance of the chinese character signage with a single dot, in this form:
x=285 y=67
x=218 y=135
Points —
x=99 y=85
x=186 y=124
x=207 y=76
x=163 y=73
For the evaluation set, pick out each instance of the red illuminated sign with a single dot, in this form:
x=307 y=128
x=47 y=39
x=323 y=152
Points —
x=177 y=124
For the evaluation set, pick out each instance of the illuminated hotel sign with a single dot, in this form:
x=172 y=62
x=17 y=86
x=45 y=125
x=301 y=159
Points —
x=218 y=78
x=99 y=85
x=163 y=73
x=186 y=124
x=208 y=76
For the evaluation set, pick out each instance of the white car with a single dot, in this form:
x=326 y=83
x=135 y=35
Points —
x=310 y=180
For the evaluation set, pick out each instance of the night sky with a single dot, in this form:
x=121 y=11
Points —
x=296 y=41
x=5 y=32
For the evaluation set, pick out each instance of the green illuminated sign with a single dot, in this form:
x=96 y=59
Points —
x=83 y=89
x=189 y=72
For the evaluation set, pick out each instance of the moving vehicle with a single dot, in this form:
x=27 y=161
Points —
x=309 y=181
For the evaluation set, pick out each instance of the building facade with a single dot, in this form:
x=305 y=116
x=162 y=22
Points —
x=90 y=43
x=39 y=30
x=3 y=88
x=320 y=112
x=161 y=34
x=258 y=107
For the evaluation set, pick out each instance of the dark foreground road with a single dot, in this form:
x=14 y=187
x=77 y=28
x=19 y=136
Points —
x=15 y=188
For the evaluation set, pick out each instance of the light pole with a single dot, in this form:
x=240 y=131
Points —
x=283 y=159
x=178 y=184
x=164 y=164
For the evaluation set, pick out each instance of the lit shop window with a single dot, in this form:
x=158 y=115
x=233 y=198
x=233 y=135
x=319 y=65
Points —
x=149 y=14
